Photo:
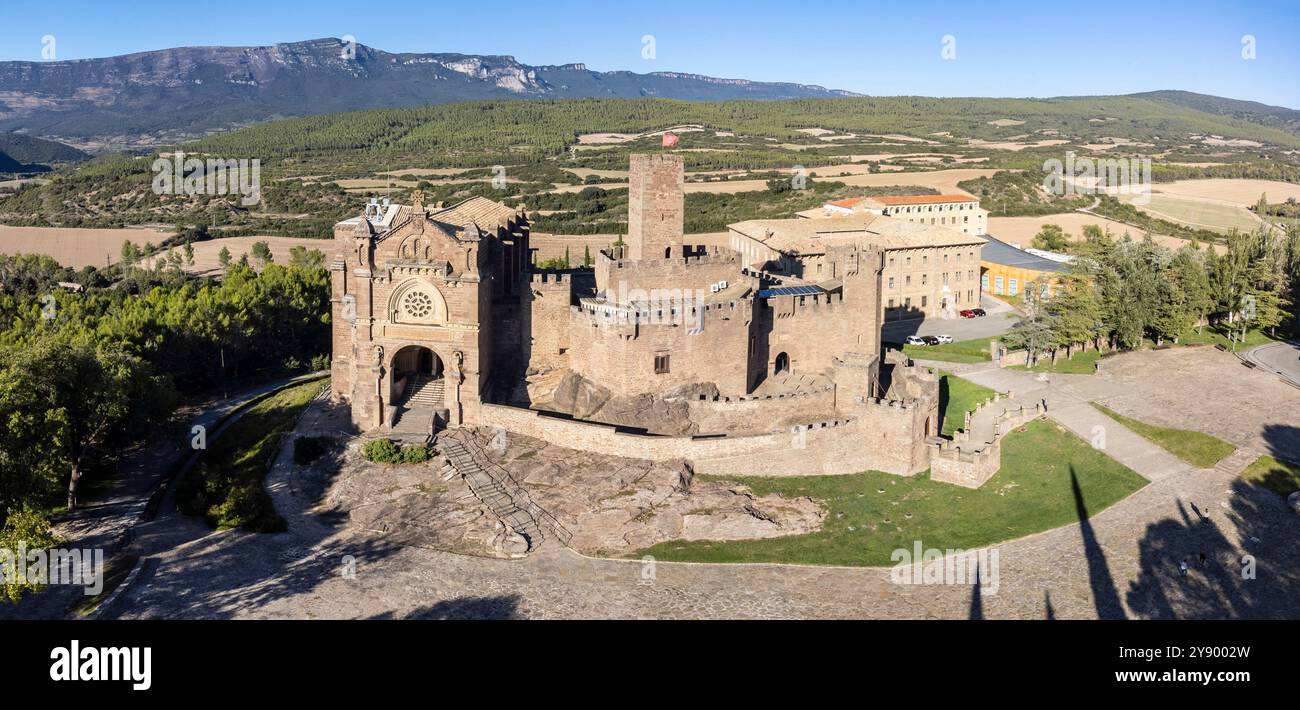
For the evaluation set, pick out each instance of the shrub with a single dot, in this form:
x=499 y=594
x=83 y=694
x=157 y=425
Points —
x=386 y=451
x=415 y=454
x=33 y=531
x=381 y=451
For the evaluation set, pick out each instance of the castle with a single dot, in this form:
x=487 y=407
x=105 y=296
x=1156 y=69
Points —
x=663 y=349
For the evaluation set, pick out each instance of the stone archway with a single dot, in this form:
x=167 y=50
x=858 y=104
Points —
x=415 y=377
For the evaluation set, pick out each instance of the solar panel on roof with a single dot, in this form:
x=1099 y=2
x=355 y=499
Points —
x=789 y=291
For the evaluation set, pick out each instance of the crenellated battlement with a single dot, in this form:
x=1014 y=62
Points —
x=550 y=277
x=740 y=399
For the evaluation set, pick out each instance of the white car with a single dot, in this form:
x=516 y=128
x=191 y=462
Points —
x=944 y=338
x=915 y=340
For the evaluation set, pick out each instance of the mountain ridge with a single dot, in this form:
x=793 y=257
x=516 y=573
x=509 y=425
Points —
x=181 y=92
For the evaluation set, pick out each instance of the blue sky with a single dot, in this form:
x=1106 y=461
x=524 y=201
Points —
x=1002 y=48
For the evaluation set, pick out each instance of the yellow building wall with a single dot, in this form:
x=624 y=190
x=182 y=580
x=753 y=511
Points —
x=990 y=273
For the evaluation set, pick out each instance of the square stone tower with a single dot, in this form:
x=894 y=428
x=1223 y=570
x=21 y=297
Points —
x=656 y=206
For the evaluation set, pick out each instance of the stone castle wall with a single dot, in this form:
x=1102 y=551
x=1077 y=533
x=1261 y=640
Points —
x=702 y=345
x=545 y=332
x=755 y=413
x=969 y=463
x=878 y=437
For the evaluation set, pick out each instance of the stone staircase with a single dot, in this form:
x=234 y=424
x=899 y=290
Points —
x=493 y=486
x=423 y=391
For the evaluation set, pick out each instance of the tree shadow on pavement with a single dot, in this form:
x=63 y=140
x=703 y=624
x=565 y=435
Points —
x=1250 y=568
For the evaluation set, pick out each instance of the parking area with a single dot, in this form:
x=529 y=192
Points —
x=999 y=320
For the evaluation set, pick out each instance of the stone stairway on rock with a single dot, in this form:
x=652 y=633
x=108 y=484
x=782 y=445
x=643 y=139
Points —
x=489 y=490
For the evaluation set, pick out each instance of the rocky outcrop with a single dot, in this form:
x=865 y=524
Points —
x=666 y=413
x=614 y=505
x=412 y=505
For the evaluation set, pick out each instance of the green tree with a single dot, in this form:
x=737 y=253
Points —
x=262 y=254
x=304 y=258
x=1051 y=238
x=1034 y=335
x=223 y=257
x=66 y=396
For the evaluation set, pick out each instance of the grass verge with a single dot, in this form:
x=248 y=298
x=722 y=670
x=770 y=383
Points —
x=1081 y=363
x=967 y=351
x=1281 y=477
x=226 y=486
x=1197 y=449
x=872 y=514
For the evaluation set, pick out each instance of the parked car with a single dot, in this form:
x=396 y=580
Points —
x=944 y=338
x=968 y=313
x=930 y=340
x=979 y=312
x=916 y=340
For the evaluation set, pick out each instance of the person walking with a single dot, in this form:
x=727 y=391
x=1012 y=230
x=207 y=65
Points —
x=1182 y=567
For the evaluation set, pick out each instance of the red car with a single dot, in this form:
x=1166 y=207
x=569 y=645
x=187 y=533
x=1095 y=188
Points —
x=968 y=314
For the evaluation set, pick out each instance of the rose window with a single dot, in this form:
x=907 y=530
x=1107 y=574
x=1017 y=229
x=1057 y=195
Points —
x=417 y=304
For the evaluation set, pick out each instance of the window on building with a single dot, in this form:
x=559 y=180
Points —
x=984 y=282
x=924 y=300
x=958 y=276
x=661 y=364
x=908 y=262
x=907 y=280
x=945 y=278
x=1014 y=287
x=891 y=281
x=891 y=303
x=925 y=278
x=925 y=259
x=997 y=286
x=891 y=262
x=907 y=302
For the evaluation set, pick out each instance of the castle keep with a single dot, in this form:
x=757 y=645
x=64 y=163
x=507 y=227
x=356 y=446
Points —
x=760 y=357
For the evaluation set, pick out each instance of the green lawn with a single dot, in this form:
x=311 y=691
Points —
x=1197 y=449
x=1281 y=477
x=1082 y=363
x=872 y=514
x=1213 y=336
x=966 y=351
x=956 y=397
x=226 y=486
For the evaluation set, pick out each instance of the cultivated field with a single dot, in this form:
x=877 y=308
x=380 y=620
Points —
x=76 y=248
x=207 y=260
x=1021 y=230
x=1240 y=192
x=1198 y=212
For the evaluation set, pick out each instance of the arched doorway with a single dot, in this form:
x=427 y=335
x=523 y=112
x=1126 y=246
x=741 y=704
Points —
x=782 y=364
x=417 y=378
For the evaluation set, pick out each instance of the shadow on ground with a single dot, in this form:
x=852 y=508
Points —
x=503 y=607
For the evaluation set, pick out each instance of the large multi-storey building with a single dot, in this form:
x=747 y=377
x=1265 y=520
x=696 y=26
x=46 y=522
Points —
x=959 y=212
x=928 y=271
